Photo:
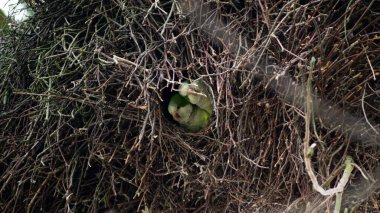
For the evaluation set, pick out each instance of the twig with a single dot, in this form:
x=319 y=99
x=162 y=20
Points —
x=307 y=151
x=365 y=115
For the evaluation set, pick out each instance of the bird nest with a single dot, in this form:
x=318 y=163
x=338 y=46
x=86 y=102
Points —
x=85 y=86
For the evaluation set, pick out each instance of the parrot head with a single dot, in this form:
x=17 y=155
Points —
x=184 y=89
x=180 y=108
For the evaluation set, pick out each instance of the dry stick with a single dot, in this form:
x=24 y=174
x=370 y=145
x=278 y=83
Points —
x=338 y=190
x=353 y=196
x=283 y=85
x=306 y=149
x=292 y=92
x=365 y=114
x=338 y=202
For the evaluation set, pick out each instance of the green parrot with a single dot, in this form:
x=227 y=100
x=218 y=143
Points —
x=198 y=94
x=188 y=115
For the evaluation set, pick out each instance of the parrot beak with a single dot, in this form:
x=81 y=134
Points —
x=176 y=116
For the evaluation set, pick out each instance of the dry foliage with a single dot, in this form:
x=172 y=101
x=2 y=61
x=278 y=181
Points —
x=84 y=86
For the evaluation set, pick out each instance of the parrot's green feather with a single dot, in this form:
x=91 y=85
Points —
x=197 y=93
x=198 y=120
x=190 y=116
x=181 y=101
x=175 y=102
x=184 y=113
